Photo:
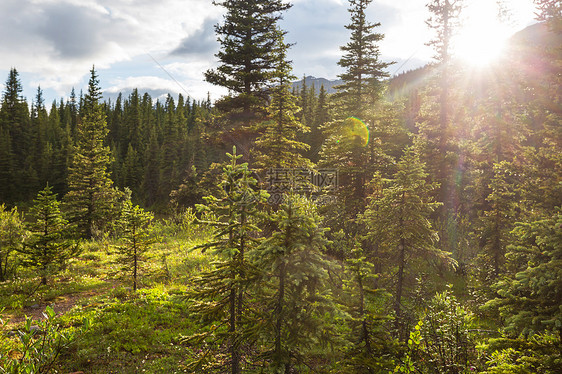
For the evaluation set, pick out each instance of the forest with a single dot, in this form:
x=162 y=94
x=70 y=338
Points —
x=405 y=224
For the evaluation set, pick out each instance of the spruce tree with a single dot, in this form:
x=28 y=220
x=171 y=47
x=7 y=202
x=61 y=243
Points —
x=278 y=145
x=397 y=219
x=219 y=296
x=368 y=345
x=364 y=71
x=248 y=60
x=248 y=39
x=497 y=221
x=136 y=238
x=294 y=267
x=49 y=246
x=436 y=133
x=528 y=300
x=90 y=197
x=16 y=141
x=321 y=116
x=349 y=145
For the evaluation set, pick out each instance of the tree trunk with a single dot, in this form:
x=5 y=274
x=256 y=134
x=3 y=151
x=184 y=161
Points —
x=397 y=309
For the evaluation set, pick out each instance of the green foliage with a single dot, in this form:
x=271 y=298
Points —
x=39 y=345
x=295 y=303
x=219 y=296
x=370 y=347
x=364 y=70
x=398 y=221
x=248 y=55
x=447 y=343
x=49 y=246
x=497 y=221
x=350 y=144
x=537 y=354
x=407 y=361
x=12 y=235
x=277 y=146
x=528 y=298
x=135 y=227
x=90 y=197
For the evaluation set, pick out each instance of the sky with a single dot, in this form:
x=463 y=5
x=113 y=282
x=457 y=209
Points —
x=165 y=46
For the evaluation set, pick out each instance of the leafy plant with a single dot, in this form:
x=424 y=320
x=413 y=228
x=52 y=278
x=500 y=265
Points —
x=38 y=346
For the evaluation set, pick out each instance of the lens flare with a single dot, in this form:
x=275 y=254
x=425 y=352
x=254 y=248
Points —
x=353 y=133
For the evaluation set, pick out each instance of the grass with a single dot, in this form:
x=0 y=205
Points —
x=130 y=332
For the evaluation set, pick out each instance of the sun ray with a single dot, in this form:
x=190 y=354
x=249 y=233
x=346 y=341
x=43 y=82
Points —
x=483 y=35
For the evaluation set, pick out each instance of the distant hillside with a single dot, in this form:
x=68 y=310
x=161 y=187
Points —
x=407 y=81
x=521 y=50
x=536 y=35
x=318 y=82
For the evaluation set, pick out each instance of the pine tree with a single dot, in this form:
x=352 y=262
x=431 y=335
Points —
x=219 y=296
x=248 y=39
x=349 y=145
x=248 y=59
x=136 y=237
x=397 y=219
x=320 y=116
x=364 y=70
x=436 y=134
x=43 y=154
x=7 y=160
x=551 y=12
x=90 y=197
x=497 y=221
x=295 y=269
x=369 y=345
x=48 y=247
x=17 y=140
x=278 y=145
x=528 y=300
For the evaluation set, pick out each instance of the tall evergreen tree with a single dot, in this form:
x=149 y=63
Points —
x=248 y=59
x=528 y=300
x=398 y=220
x=364 y=70
x=278 y=145
x=17 y=142
x=220 y=294
x=296 y=270
x=436 y=134
x=349 y=145
x=90 y=197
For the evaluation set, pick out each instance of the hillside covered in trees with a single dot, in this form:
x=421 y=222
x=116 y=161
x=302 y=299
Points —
x=407 y=224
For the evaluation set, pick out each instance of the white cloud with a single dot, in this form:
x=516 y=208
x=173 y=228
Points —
x=60 y=40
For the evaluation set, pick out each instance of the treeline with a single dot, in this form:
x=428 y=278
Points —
x=153 y=144
x=156 y=146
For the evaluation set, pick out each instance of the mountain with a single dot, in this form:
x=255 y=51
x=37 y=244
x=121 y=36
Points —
x=317 y=82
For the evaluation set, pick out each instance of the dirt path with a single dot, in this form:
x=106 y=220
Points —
x=60 y=305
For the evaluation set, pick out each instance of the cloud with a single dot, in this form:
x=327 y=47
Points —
x=202 y=41
x=60 y=40
x=77 y=32
x=318 y=28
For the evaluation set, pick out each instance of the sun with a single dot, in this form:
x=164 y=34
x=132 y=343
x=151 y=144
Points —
x=482 y=36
